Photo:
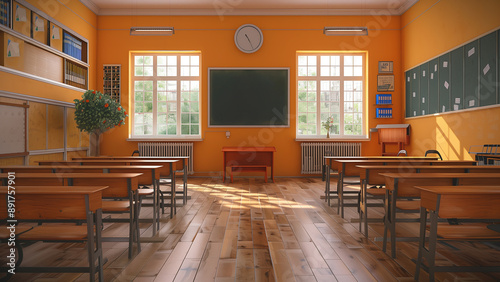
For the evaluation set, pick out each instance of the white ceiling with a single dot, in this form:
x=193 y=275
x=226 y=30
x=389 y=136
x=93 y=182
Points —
x=248 y=7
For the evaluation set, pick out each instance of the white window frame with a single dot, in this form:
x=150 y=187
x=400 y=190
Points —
x=178 y=78
x=318 y=78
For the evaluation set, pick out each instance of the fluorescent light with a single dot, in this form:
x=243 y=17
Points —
x=345 y=31
x=151 y=30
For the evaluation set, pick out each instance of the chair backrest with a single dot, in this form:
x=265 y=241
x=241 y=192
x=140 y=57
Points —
x=433 y=152
x=403 y=152
x=136 y=152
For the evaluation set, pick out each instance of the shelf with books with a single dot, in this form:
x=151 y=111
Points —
x=111 y=81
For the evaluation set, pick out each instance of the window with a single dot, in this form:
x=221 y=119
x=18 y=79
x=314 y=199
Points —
x=330 y=85
x=166 y=94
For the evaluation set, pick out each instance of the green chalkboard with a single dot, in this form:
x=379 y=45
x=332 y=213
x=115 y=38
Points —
x=256 y=97
x=409 y=112
x=433 y=86
x=488 y=70
x=424 y=89
x=444 y=83
x=471 y=74
x=415 y=95
x=466 y=77
x=457 y=78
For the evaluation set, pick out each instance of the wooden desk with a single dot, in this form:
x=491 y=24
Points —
x=402 y=185
x=166 y=171
x=370 y=175
x=248 y=156
x=120 y=186
x=150 y=175
x=348 y=168
x=329 y=159
x=183 y=159
x=58 y=203
x=464 y=202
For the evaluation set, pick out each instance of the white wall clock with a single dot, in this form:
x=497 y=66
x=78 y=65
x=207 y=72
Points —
x=248 y=38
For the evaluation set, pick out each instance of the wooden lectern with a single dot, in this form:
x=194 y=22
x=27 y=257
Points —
x=393 y=134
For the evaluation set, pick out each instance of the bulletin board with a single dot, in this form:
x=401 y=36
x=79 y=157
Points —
x=465 y=77
x=13 y=129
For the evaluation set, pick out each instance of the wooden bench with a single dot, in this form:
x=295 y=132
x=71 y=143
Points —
x=249 y=168
x=460 y=203
x=369 y=176
x=401 y=186
x=55 y=203
x=348 y=168
x=121 y=186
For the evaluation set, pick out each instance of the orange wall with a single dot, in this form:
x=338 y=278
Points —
x=283 y=37
x=431 y=28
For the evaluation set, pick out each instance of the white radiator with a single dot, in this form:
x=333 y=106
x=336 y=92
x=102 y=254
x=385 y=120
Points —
x=312 y=154
x=165 y=149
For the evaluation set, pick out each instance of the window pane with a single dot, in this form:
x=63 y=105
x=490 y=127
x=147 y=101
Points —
x=156 y=100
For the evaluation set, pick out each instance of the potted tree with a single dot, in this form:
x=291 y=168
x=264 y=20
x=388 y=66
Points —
x=96 y=113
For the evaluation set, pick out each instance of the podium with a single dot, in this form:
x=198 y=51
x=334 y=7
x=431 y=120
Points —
x=393 y=134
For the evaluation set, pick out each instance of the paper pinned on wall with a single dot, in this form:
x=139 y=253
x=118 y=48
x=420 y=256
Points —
x=471 y=51
x=20 y=14
x=445 y=64
x=423 y=73
x=55 y=32
x=414 y=94
x=432 y=75
x=457 y=100
x=423 y=100
x=414 y=76
x=423 y=112
x=408 y=79
x=39 y=24
x=472 y=103
x=444 y=108
x=12 y=49
x=486 y=69
x=455 y=107
x=414 y=113
x=435 y=67
x=446 y=85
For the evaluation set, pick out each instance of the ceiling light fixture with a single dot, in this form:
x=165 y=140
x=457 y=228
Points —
x=345 y=31
x=152 y=30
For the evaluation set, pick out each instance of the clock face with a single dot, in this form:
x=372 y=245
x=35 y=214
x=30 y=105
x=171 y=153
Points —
x=248 y=38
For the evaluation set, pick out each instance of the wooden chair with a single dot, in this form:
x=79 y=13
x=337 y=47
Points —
x=433 y=152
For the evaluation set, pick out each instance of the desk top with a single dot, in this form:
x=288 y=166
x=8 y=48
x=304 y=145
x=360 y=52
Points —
x=109 y=161
x=460 y=190
x=440 y=175
x=379 y=157
x=72 y=175
x=6 y=167
x=408 y=160
x=47 y=190
x=133 y=158
x=248 y=149
x=429 y=166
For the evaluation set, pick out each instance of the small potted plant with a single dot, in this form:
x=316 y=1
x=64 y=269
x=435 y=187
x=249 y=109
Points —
x=96 y=113
x=327 y=125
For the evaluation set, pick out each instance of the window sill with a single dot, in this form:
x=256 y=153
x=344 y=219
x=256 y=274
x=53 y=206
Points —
x=331 y=139
x=166 y=139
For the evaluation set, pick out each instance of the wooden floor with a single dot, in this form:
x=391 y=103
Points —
x=255 y=231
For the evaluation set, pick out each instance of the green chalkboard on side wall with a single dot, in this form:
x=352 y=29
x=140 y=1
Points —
x=248 y=97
